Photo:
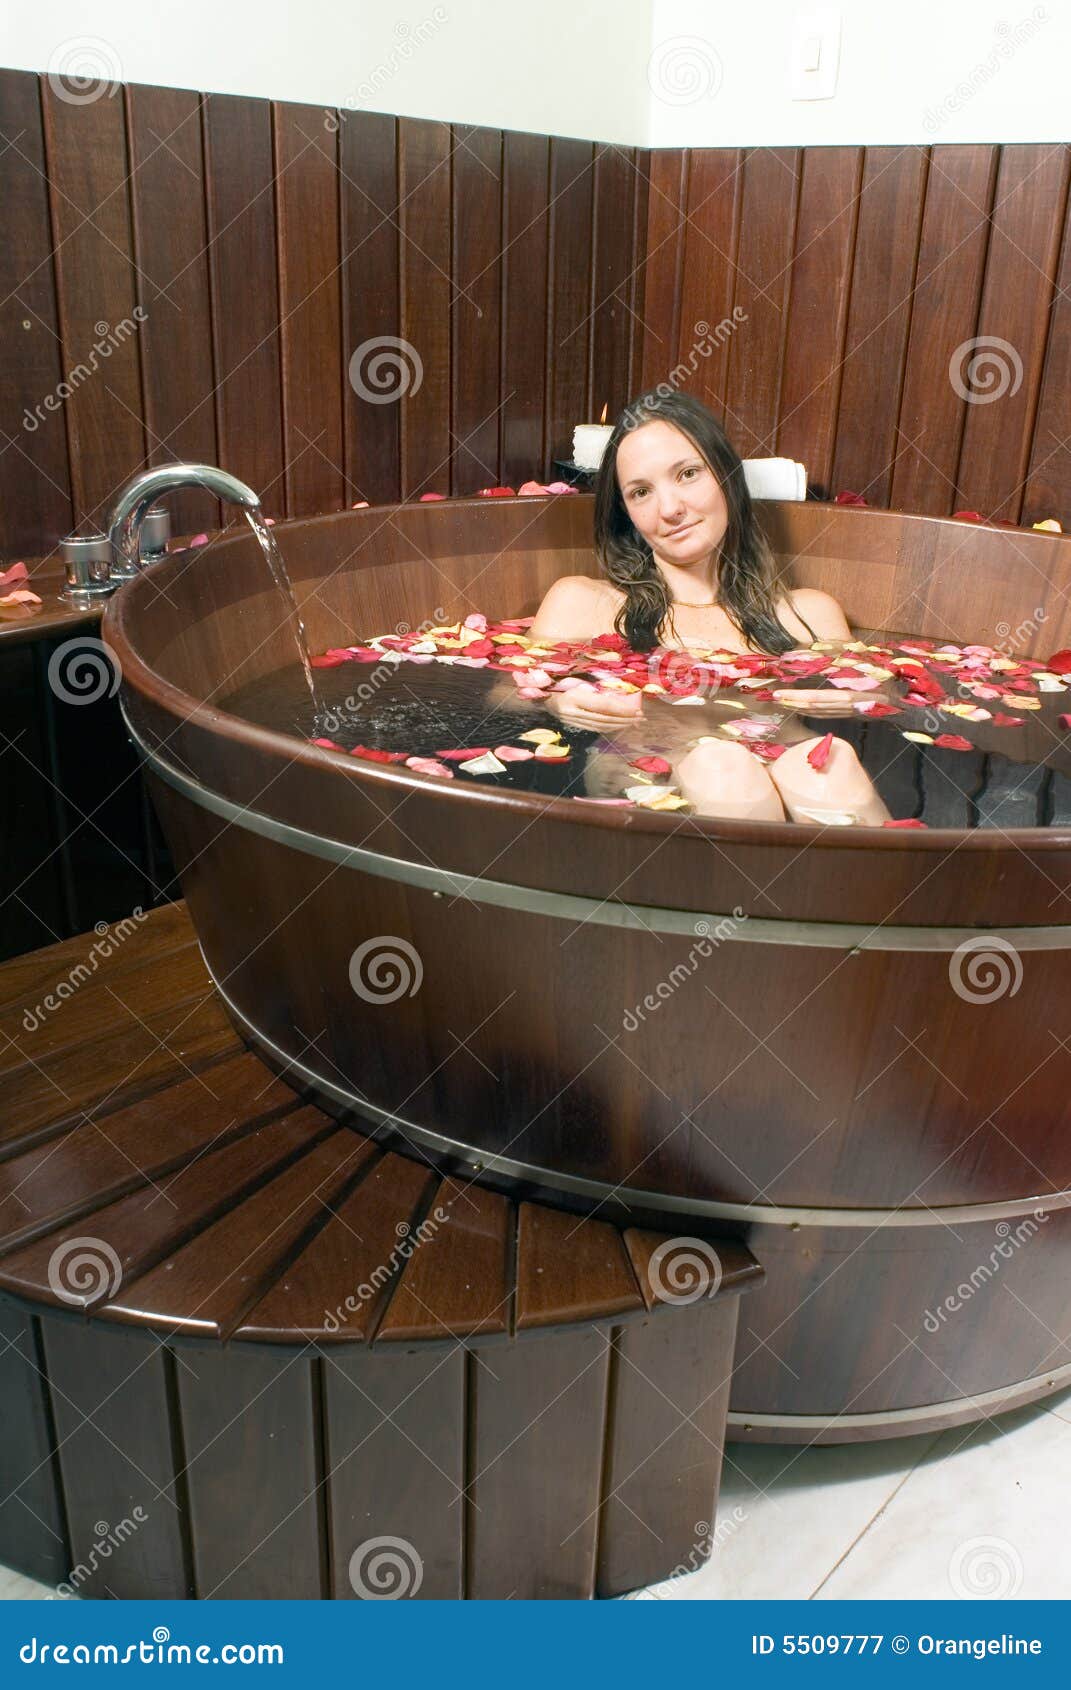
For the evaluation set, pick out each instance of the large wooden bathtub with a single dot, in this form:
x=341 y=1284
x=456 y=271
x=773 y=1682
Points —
x=894 y=1149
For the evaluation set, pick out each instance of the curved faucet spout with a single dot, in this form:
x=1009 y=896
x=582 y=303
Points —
x=124 y=530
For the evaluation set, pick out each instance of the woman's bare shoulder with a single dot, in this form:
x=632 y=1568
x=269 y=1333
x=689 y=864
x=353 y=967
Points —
x=575 y=607
x=821 y=611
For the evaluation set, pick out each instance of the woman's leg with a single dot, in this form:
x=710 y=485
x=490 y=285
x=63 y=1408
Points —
x=722 y=778
x=840 y=791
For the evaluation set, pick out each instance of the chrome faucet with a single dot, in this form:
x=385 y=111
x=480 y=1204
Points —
x=132 y=506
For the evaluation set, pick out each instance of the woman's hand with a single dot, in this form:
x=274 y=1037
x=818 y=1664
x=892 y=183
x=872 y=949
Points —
x=585 y=706
x=822 y=701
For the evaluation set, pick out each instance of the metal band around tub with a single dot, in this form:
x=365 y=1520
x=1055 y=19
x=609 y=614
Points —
x=626 y=1198
x=567 y=906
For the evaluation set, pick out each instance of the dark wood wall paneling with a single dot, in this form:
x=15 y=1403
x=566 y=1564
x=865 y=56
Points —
x=861 y=271
x=535 y=278
x=265 y=243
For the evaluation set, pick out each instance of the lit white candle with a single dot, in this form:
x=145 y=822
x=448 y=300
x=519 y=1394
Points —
x=589 y=444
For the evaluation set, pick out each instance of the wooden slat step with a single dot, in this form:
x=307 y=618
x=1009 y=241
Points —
x=680 y=1270
x=337 y=1286
x=23 y=979
x=97 y=1007
x=97 y=1162
x=459 y=1281
x=209 y=1284
x=570 y=1268
x=106 y=1074
x=129 y=1237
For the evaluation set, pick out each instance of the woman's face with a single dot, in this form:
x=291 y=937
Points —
x=671 y=494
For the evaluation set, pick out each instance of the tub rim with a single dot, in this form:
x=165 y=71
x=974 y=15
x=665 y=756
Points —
x=184 y=708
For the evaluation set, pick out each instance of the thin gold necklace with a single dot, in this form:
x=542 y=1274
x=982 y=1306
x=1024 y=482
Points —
x=708 y=604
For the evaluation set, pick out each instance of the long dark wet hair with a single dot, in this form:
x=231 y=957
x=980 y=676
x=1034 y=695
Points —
x=746 y=572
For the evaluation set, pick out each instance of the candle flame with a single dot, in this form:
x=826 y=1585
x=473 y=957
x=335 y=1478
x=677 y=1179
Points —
x=602 y=419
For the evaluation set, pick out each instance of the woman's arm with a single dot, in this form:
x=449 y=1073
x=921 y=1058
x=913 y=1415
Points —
x=822 y=613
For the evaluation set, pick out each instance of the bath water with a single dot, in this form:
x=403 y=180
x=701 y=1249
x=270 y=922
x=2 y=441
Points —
x=274 y=559
x=1010 y=777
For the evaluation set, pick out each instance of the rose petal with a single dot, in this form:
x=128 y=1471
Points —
x=513 y=753
x=818 y=756
x=953 y=742
x=460 y=756
x=429 y=766
x=909 y=821
x=652 y=765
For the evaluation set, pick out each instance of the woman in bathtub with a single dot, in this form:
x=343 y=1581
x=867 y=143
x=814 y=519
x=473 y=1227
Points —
x=687 y=566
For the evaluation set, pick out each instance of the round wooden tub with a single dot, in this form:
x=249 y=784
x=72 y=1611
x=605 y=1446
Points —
x=820 y=1069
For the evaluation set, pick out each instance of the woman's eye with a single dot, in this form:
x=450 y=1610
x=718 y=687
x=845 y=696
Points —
x=693 y=469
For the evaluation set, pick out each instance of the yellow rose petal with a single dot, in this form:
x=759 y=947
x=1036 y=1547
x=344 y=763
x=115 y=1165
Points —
x=540 y=736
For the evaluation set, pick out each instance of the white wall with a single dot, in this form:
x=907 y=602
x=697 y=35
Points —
x=640 y=72
x=559 y=67
x=915 y=71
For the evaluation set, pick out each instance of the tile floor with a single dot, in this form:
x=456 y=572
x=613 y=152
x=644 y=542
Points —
x=977 y=1511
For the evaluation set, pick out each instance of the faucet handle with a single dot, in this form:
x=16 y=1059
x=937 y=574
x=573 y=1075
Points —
x=134 y=502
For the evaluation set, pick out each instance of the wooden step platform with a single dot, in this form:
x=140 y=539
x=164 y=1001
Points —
x=249 y=1352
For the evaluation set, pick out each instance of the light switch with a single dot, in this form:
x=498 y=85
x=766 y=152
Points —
x=814 y=55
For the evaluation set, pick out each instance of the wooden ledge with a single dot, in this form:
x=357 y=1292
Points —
x=154 y=1173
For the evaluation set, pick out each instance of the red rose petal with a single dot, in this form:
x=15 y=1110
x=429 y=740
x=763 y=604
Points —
x=768 y=749
x=1059 y=663
x=953 y=742
x=910 y=821
x=1000 y=720
x=652 y=765
x=1064 y=721
x=878 y=708
x=818 y=756
x=463 y=756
